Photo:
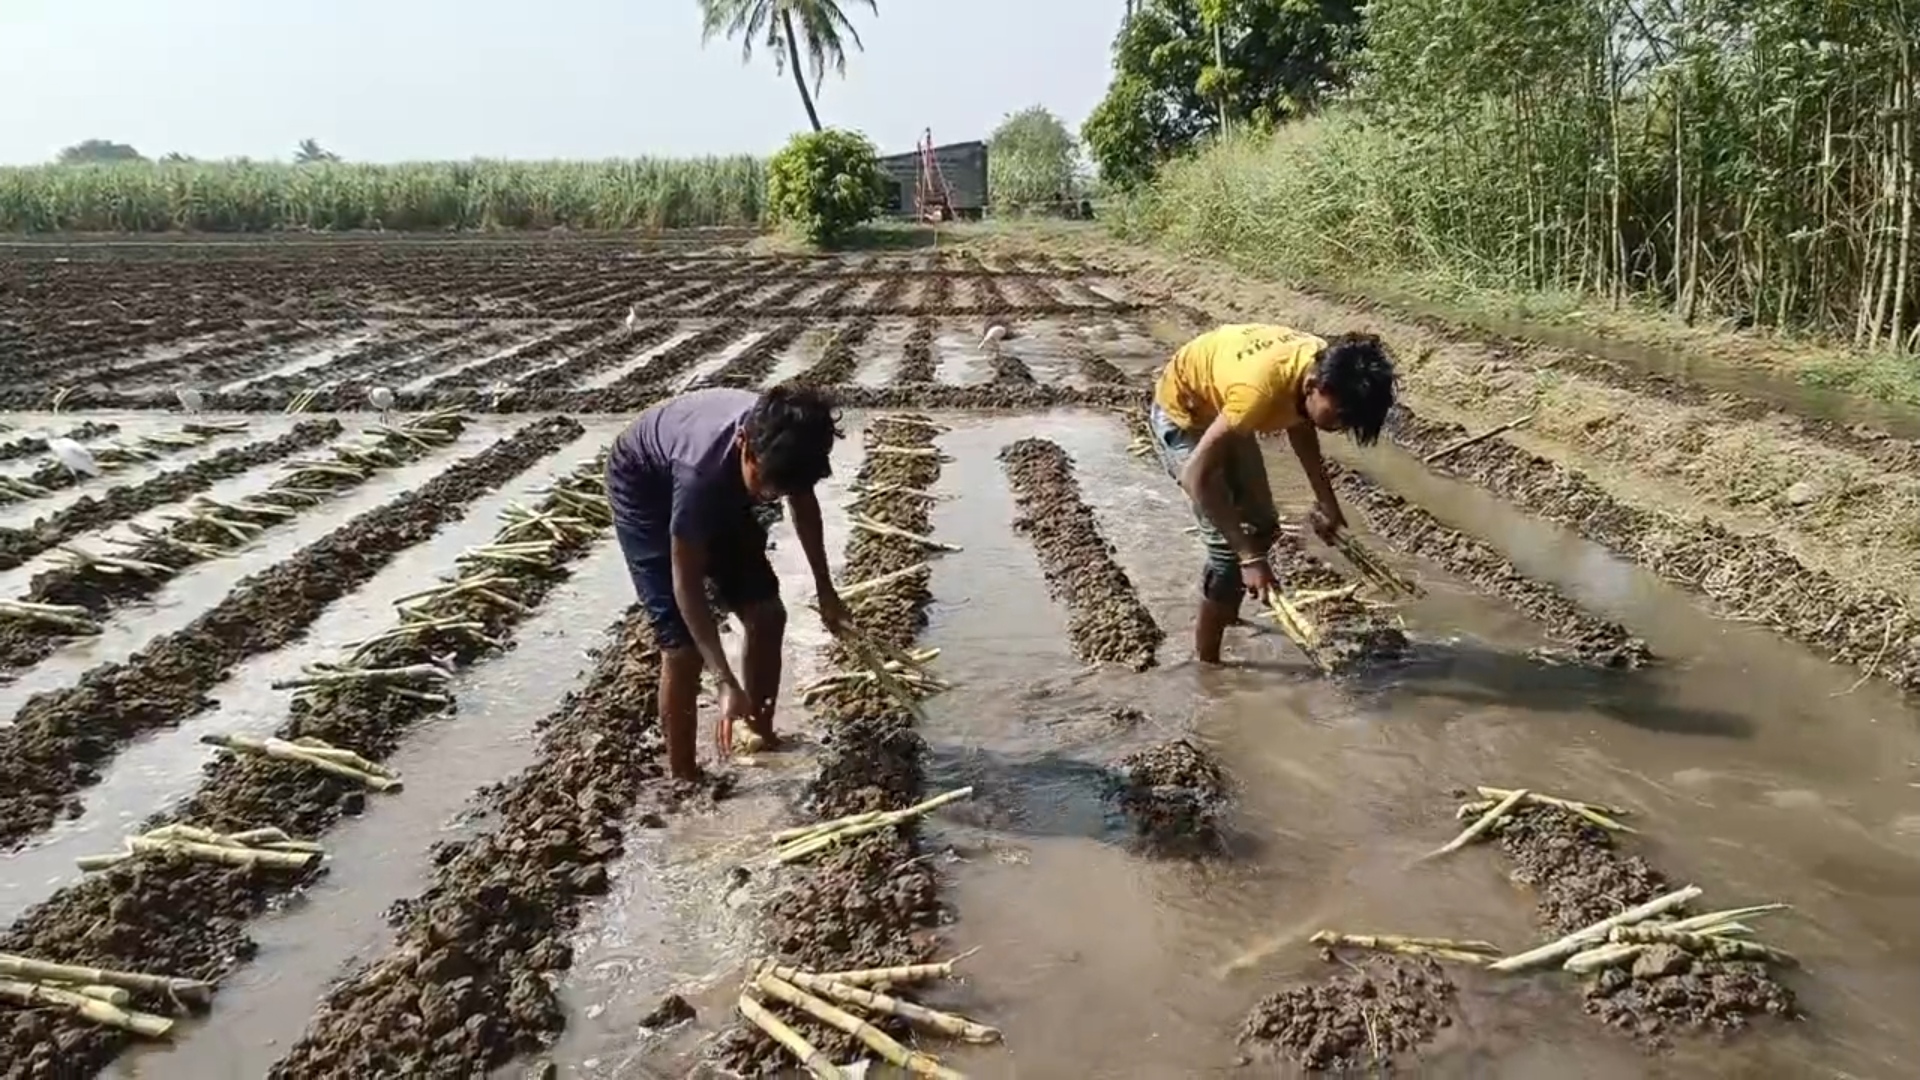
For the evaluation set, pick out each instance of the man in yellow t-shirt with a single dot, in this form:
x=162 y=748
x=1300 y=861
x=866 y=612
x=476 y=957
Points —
x=1220 y=392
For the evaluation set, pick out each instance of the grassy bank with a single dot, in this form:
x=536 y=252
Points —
x=1340 y=204
x=636 y=193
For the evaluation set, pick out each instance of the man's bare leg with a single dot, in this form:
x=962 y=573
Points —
x=680 y=710
x=765 y=626
x=1210 y=627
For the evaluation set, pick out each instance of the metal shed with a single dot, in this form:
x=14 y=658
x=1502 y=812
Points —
x=964 y=165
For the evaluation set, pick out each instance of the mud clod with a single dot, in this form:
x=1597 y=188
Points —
x=1359 y=1020
x=1173 y=792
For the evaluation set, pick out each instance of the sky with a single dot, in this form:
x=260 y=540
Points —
x=398 y=80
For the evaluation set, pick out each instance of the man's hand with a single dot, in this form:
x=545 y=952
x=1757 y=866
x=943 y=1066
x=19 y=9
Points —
x=1256 y=573
x=1326 y=521
x=734 y=705
x=834 y=611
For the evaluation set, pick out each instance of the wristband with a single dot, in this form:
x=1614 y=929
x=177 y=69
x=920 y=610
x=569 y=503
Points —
x=1252 y=560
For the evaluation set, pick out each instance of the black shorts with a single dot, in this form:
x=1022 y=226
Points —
x=737 y=566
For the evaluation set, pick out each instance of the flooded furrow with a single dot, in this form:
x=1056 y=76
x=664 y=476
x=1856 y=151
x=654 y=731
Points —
x=46 y=757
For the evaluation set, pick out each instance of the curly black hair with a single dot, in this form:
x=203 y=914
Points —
x=791 y=432
x=1357 y=372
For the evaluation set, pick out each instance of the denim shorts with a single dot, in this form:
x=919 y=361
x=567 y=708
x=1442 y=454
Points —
x=1243 y=464
x=738 y=573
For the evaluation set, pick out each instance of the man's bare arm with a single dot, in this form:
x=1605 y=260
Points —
x=805 y=507
x=1306 y=446
x=690 y=593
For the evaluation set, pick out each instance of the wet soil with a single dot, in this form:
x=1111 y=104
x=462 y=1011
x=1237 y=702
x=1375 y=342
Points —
x=100 y=590
x=1173 y=792
x=30 y=445
x=840 y=358
x=1107 y=622
x=61 y=740
x=595 y=358
x=190 y=918
x=870 y=901
x=1751 y=578
x=54 y=476
x=1365 y=1019
x=471 y=979
x=1579 y=877
x=916 y=359
x=118 y=504
x=754 y=363
x=396 y=338
x=1579 y=636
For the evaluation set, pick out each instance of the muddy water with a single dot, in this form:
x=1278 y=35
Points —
x=877 y=359
x=384 y=855
x=678 y=919
x=805 y=351
x=1755 y=772
x=309 y=359
x=155 y=772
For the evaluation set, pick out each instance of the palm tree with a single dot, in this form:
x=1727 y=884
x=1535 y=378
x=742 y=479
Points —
x=818 y=25
x=310 y=152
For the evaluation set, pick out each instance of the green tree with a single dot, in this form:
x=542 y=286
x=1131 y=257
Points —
x=1183 y=69
x=310 y=152
x=819 y=28
x=97 y=151
x=1031 y=159
x=824 y=184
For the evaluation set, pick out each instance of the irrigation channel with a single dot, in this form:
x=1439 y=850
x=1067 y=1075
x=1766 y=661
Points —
x=329 y=745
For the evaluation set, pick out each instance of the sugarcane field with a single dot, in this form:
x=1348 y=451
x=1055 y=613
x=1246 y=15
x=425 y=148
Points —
x=333 y=744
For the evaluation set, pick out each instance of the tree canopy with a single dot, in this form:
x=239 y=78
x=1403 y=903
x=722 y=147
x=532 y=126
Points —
x=1032 y=159
x=1182 y=66
x=97 y=151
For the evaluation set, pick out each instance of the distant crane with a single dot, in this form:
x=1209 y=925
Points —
x=381 y=398
x=932 y=196
x=995 y=334
x=633 y=316
x=190 y=399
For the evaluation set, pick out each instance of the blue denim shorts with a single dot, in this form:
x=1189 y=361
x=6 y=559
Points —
x=739 y=574
x=1174 y=444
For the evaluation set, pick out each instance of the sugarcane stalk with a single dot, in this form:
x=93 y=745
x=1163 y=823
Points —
x=481 y=580
x=876 y=1040
x=800 y=849
x=67 y=616
x=1482 y=951
x=1597 y=813
x=193 y=991
x=82 y=557
x=898 y=489
x=1486 y=821
x=112 y=995
x=1462 y=443
x=1713 y=923
x=223 y=854
x=864 y=653
x=1595 y=934
x=412 y=673
x=811 y=1059
x=1373 y=568
x=898 y=975
x=881 y=528
x=1719 y=948
x=87 y=1008
x=281 y=750
x=801 y=832
x=958 y=1027
x=861 y=588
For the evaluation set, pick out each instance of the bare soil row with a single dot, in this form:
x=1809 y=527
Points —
x=395 y=339
x=1579 y=635
x=164 y=555
x=184 y=917
x=1751 y=578
x=1106 y=621
x=839 y=359
x=869 y=901
x=121 y=503
x=60 y=740
x=754 y=363
x=472 y=977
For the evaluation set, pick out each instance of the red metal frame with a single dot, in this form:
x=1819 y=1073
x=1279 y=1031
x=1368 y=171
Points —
x=933 y=198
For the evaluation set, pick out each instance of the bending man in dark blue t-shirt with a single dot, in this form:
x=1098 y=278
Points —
x=684 y=479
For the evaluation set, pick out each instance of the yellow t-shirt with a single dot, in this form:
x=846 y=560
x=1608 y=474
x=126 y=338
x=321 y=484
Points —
x=1250 y=372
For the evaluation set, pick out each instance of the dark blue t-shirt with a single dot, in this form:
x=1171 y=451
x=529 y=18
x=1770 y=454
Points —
x=675 y=472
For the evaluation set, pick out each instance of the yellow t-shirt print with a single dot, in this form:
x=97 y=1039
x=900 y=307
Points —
x=1251 y=373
